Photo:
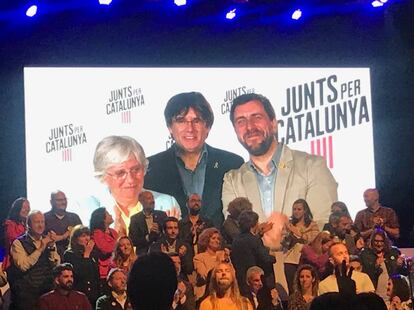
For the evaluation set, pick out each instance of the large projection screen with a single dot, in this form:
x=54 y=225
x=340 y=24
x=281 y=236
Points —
x=324 y=111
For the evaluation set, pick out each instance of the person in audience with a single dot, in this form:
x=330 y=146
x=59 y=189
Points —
x=305 y=288
x=380 y=260
x=64 y=296
x=184 y=298
x=33 y=258
x=339 y=301
x=120 y=164
x=210 y=253
x=368 y=301
x=224 y=291
x=343 y=228
x=398 y=293
x=60 y=221
x=339 y=258
x=152 y=282
x=260 y=295
x=124 y=255
x=355 y=262
x=4 y=296
x=231 y=227
x=117 y=298
x=194 y=223
x=376 y=216
x=336 y=207
x=248 y=250
x=80 y=254
x=316 y=254
x=105 y=240
x=190 y=165
x=14 y=226
x=300 y=230
x=146 y=226
x=171 y=243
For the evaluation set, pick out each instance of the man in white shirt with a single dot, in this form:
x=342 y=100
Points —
x=338 y=253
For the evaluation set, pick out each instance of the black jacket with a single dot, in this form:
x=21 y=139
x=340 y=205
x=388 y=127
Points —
x=163 y=176
x=108 y=302
x=138 y=230
x=187 y=266
x=248 y=250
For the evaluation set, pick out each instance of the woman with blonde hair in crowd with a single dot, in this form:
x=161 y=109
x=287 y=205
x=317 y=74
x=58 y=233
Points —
x=224 y=291
x=316 y=254
x=124 y=255
x=305 y=288
x=211 y=252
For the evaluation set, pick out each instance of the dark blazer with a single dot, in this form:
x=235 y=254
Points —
x=108 y=302
x=85 y=274
x=248 y=250
x=187 y=266
x=369 y=257
x=138 y=230
x=163 y=176
x=190 y=303
x=185 y=227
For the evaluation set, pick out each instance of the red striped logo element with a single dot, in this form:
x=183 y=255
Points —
x=323 y=147
x=67 y=155
x=126 y=117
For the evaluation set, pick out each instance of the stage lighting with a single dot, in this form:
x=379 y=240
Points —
x=31 y=11
x=297 y=14
x=377 y=3
x=231 y=14
x=180 y=2
x=105 y=2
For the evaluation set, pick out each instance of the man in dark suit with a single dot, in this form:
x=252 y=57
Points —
x=170 y=243
x=184 y=298
x=146 y=226
x=248 y=250
x=193 y=224
x=190 y=165
x=117 y=298
x=260 y=295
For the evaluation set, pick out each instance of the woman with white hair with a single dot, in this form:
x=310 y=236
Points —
x=120 y=164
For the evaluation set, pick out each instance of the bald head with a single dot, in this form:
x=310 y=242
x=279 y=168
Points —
x=146 y=198
x=371 y=198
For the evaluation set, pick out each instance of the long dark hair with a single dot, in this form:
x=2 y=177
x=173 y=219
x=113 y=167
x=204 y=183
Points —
x=297 y=287
x=383 y=234
x=308 y=216
x=16 y=207
x=400 y=287
x=98 y=219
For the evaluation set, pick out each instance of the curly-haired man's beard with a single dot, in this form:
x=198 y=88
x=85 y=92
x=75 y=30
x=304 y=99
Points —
x=262 y=147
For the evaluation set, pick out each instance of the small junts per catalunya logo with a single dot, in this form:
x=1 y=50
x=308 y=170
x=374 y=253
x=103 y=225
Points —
x=231 y=94
x=63 y=138
x=122 y=101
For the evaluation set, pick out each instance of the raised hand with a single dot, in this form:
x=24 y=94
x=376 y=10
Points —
x=88 y=248
x=343 y=275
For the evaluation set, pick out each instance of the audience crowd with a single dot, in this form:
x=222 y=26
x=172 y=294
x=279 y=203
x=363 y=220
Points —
x=210 y=272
